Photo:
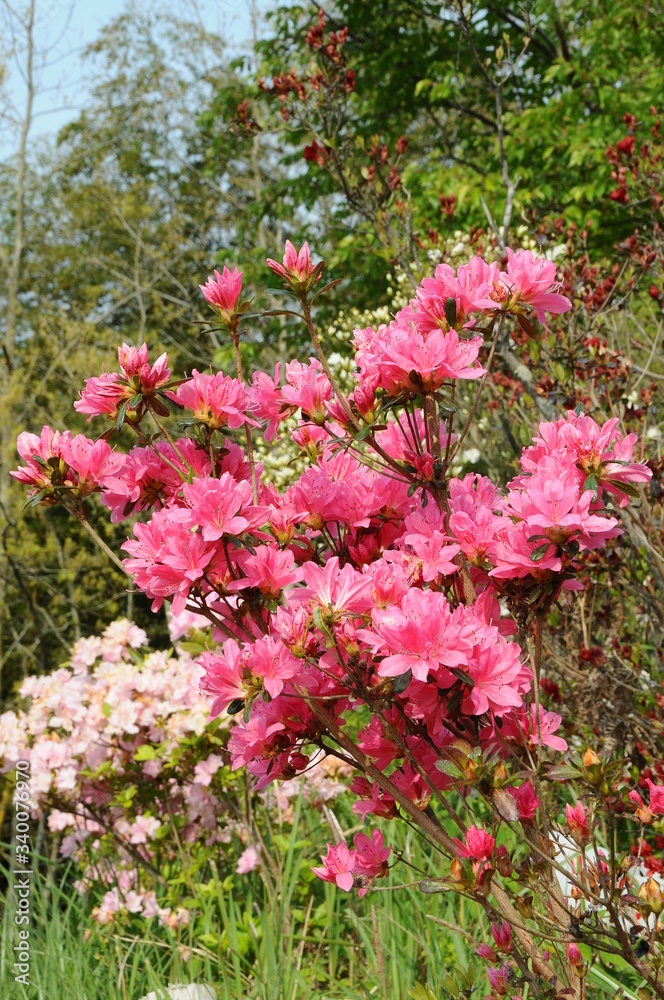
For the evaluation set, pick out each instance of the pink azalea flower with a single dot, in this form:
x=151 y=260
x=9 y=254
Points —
x=216 y=505
x=409 y=360
x=338 y=866
x=248 y=741
x=470 y=290
x=37 y=451
x=167 y=559
x=105 y=393
x=532 y=280
x=248 y=861
x=511 y=551
x=102 y=394
x=593 y=450
x=270 y=659
x=373 y=800
x=375 y=744
x=371 y=858
x=95 y=462
x=224 y=676
x=656 y=797
x=216 y=400
x=523 y=725
x=493 y=666
x=526 y=800
x=223 y=290
x=343 y=591
x=267 y=401
x=308 y=389
x=478 y=844
x=421 y=635
x=270 y=570
x=552 y=504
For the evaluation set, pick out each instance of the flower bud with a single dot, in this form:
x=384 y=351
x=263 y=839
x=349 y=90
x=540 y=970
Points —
x=651 y=895
x=589 y=759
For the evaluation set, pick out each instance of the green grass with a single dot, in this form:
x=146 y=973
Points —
x=305 y=939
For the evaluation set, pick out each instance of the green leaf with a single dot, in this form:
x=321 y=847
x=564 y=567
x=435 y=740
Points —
x=562 y=772
x=450 y=985
x=590 y=483
x=630 y=489
x=401 y=682
x=146 y=752
x=122 y=413
x=538 y=554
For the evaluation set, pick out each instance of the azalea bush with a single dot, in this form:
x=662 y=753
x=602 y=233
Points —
x=385 y=614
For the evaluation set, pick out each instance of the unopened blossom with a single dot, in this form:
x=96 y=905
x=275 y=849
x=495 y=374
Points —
x=502 y=935
x=140 y=374
x=223 y=290
x=498 y=979
x=296 y=265
x=577 y=823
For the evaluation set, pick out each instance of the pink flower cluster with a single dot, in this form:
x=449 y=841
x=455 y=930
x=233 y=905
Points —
x=369 y=583
x=359 y=866
x=426 y=344
x=136 y=381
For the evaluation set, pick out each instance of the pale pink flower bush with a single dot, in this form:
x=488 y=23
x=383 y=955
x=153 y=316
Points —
x=120 y=717
x=377 y=582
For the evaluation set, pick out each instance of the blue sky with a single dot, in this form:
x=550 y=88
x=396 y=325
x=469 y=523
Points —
x=65 y=27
